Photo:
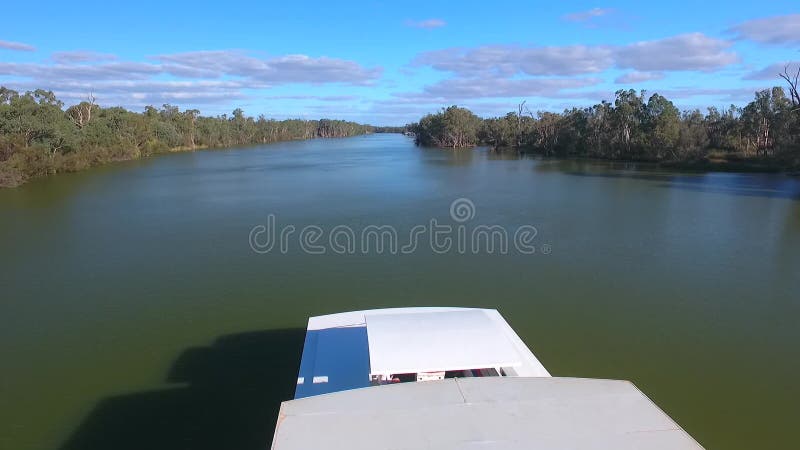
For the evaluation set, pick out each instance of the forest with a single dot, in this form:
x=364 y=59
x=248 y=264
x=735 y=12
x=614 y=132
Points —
x=38 y=136
x=763 y=135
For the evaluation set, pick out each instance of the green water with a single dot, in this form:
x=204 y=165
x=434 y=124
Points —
x=134 y=313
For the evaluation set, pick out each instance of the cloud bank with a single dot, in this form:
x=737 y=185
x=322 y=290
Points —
x=638 y=77
x=686 y=52
x=778 y=30
x=194 y=77
x=18 y=46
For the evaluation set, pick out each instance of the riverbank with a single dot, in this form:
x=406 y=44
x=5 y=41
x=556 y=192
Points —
x=34 y=163
x=16 y=172
x=39 y=137
x=763 y=136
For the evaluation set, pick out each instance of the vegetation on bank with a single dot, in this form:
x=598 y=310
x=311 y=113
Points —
x=39 y=137
x=764 y=135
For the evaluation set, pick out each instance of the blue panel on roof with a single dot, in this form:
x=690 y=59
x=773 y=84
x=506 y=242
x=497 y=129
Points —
x=340 y=354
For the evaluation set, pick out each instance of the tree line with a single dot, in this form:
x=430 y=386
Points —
x=39 y=137
x=636 y=127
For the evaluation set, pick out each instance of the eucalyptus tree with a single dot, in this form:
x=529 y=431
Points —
x=452 y=127
x=626 y=118
x=632 y=128
x=661 y=126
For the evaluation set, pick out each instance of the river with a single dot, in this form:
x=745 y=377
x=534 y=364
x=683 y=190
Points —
x=135 y=312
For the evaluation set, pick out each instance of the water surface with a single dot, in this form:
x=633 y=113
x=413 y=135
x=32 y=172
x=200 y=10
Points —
x=134 y=313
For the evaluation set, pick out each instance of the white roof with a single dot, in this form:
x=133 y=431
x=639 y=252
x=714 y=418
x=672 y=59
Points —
x=429 y=339
x=435 y=341
x=481 y=413
x=359 y=318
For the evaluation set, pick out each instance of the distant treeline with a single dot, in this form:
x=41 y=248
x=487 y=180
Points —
x=390 y=129
x=764 y=135
x=39 y=137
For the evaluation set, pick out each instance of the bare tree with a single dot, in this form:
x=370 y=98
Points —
x=792 y=80
x=192 y=115
x=81 y=113
x=518 y=132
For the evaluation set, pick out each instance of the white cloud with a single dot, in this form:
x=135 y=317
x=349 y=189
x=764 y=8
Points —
x=141 y=92
x=693 y=51
x=322 y=98
x=638 y=77
x=600 y=17
x=585 y=16
x=771 y=72
x=47 y=72
x=778 y=30
x=504 y=71
x=426 y=24
x=287 y=69
x=202 y=77
x=724 y=94
x=506 y=60
x=472 y=88
x=18 y=46
x=282 y=69
x=79 y=56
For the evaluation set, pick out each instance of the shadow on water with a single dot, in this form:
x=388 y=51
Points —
x=768 y=186
x=506 y=155
x=228 y=399
x=447 y=156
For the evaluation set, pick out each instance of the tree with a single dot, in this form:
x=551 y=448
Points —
x=692 y=136
x=634 y=129
x=626 y=118
x=762 y=117
x=792 y=81
x=452 y=127
x=547 y=130
x=662 y=126
x=598 y=129
x=81 y=113
x=38 y=137
x=502 y=132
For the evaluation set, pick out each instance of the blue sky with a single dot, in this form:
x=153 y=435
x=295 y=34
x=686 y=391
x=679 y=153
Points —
x=389 y=63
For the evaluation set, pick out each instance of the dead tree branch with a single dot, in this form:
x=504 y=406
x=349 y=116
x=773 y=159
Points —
x=792 y=80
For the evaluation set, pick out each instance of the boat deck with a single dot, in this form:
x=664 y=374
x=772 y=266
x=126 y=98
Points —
x=488 y=413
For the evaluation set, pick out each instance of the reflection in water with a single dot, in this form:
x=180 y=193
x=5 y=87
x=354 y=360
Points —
x=225 y=396
x=448 y=157
x=505 y=155
x=757 y=185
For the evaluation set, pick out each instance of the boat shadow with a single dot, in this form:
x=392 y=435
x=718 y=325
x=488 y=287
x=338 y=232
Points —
x=228 y=398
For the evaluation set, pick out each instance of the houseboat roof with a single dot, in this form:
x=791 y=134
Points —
x=342 y=351
x=434 y=341
x=486 y=413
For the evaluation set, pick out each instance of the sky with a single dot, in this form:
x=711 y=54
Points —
x=390 y=63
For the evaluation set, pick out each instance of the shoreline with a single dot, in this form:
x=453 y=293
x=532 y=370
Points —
x=730 y=164
x=9 y=179
x=723 y=164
